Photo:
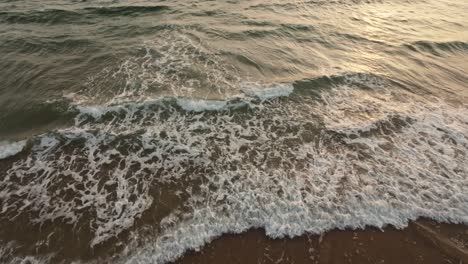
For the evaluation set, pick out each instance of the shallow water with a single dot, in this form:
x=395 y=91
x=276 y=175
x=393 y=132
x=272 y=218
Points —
x=134 y=131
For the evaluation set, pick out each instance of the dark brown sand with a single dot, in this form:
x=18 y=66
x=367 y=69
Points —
x=423 y=241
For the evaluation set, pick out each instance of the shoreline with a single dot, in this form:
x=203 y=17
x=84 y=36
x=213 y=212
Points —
x=422 y=241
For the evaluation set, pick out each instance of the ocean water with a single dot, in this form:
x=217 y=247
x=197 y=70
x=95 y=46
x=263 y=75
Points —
x=134 y=131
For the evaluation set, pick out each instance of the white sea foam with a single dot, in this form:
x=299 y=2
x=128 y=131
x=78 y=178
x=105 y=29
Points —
x=8 y=149
x=263 y=93
x=192 y=105
x=173 y=65
x=269 y=92
x=354 y=158
x=201 y=105
x=189 y=105
x=373 y=180
x=7 y=255
x=95 y=111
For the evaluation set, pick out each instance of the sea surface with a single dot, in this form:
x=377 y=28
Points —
x=134 y=131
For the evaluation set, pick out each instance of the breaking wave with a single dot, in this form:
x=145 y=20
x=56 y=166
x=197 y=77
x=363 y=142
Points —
x=8 y=149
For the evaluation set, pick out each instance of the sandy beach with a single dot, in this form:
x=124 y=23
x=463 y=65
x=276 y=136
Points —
x=423 y=241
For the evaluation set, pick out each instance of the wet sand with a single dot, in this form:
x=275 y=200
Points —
x=423 y=241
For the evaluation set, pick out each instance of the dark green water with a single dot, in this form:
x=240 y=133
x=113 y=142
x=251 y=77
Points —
x=133 y=131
